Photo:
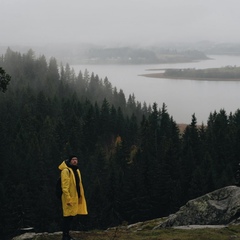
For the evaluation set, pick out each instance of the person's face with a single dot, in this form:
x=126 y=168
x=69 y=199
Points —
x=74 y=161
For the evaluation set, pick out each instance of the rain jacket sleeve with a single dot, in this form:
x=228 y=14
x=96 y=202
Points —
x=65 y=178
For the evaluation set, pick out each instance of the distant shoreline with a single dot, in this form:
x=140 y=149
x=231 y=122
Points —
x=161 y=75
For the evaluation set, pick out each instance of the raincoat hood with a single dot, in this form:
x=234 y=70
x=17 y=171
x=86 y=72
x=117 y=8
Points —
x=63 y=165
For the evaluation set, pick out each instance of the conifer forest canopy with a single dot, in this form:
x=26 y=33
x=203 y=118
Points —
x=135 y=162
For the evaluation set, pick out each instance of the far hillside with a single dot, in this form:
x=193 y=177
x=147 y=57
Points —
x=94 y=54
x=141 y=56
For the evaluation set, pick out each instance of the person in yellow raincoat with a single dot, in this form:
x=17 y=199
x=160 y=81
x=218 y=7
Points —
x=73 y=198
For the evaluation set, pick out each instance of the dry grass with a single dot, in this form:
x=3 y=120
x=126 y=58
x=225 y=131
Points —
x=227 y=233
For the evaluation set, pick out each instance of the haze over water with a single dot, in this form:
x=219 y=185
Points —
x=182 y=97
x=134 y=23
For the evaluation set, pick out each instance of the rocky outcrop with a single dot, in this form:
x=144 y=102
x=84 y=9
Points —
x=219 y=207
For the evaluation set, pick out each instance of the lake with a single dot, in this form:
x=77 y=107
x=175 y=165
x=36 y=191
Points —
x=183 y=98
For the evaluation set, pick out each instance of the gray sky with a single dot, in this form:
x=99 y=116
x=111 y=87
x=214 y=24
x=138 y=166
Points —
x=118 y=21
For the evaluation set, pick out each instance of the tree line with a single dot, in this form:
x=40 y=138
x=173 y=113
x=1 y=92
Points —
x=135 y=163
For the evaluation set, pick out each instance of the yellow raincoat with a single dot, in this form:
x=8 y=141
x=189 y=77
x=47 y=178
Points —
x=71 y=205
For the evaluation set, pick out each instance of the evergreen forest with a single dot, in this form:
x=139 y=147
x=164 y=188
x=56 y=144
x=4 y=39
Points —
x=135 y=163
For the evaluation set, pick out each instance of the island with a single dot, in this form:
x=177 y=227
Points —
x=227 y=73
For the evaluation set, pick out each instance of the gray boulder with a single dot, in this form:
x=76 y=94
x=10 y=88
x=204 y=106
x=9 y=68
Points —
x=219 y=207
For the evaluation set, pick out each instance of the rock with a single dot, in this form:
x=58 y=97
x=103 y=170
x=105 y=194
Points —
x=188 y=227
x=25 y=236
x=219 y=207
x=32 y=235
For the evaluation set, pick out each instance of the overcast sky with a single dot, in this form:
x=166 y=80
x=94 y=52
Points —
x=118 y=21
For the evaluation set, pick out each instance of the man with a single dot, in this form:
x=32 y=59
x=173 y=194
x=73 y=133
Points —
x=73 y=199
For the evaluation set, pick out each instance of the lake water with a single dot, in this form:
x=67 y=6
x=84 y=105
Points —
x=183 y=98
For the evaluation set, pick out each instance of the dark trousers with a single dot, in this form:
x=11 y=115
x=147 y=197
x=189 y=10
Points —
x=67 y=221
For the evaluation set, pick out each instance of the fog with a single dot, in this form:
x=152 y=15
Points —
x=118 y=22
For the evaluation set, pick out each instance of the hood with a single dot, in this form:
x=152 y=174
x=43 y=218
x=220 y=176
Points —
x=62 y=165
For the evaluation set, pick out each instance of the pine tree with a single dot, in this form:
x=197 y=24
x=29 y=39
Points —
x=53 y=77
x=4 y=80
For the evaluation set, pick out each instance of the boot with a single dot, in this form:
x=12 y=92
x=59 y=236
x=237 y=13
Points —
x=65 y=237
x=70 y=238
